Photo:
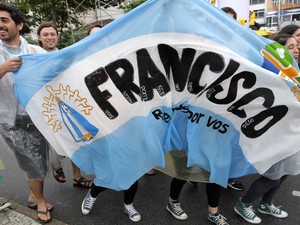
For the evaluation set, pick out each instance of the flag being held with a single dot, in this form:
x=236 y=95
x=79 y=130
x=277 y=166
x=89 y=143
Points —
x=163 y=77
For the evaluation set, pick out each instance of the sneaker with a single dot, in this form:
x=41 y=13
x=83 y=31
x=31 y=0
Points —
x=246 y=212
x=132 y=213
x=236 y=185
x=176 y=211
x=87 y=203
x=217 y=219
x=272 y=210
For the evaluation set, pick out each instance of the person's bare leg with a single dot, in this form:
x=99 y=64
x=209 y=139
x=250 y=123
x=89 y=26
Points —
x=32 y=199
x=213 y=210
x=80 y=181
x=37 y=189
x=76 y=171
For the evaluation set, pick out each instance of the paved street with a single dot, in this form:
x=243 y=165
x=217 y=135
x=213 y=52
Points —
x=150 y=200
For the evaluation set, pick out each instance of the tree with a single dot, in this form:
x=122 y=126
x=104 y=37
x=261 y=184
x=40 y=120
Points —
x=65 y=14
x=130 y=5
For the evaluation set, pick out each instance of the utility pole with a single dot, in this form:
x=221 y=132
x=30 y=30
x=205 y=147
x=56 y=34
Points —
x=279 y=15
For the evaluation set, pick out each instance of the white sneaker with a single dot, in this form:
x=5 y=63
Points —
x=88 y=203
x=132 y=213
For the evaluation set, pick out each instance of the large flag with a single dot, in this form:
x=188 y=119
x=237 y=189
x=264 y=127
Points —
x=170 y=75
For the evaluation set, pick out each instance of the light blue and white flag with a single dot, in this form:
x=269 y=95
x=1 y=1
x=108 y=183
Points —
x=171 y=74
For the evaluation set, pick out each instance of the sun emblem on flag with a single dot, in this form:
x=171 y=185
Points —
x=64 y=108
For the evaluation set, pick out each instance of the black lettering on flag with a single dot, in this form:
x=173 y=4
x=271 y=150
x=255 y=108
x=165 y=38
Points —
x=276 y=113
x=180 y=67
x=92 y=82
x=124 y=81
x=264 y=93
x=216 y=65
x=150 y=77
x=229 y=71
x=249 y=82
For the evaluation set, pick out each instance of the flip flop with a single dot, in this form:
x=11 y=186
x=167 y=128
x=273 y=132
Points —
x=44 y=213
x=82 y=182
x=33 y=205
x=59 y=175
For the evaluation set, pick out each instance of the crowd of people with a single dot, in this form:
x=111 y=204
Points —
x=34 y=153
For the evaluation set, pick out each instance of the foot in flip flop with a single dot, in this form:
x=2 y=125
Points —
x=59 y=175
x=46 y=216
x=33 y=205
x=82 y=182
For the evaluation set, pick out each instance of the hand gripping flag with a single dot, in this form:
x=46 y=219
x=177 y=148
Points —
x=170 y=75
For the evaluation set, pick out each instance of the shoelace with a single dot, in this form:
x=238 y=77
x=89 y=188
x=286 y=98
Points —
x=220 y=220
x=249 y=212
x=176 y=208
x=131 y=210
x=89 y=202
x=274 y=209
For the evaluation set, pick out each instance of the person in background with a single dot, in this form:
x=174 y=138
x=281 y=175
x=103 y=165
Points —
x=93 y=29
x=129 y=194
x=293 y=30
x=27 y=143
x=264 y=186
x=48 y=39
x=212 y=193
x=290 y=42
x=233 y=183
x=230 y=11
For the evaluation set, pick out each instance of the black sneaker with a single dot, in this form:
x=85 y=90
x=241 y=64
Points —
x=217 y=219
x=176 y=211
x=236 y=185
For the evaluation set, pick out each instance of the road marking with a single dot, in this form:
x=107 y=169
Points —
x=296 y=193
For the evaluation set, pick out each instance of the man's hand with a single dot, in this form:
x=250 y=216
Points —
x=11 y=65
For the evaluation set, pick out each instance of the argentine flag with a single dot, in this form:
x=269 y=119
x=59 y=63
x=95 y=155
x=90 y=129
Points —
x=170 y=75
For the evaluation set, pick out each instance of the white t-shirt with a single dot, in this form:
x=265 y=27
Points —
x=9 y=105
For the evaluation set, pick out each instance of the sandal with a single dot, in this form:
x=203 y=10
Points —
x=59 y=175
x=44 y=213
x=33 y=205
x=82 y=182
x=151 y=173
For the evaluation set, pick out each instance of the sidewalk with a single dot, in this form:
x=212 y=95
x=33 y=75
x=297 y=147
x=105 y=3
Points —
x=18 y=214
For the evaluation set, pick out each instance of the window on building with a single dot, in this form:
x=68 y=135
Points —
x=272 y=22
x=253 y=2
x=260 y=13
x=275 y=2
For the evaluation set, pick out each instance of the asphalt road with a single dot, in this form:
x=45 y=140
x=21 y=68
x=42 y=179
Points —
x=150 y=200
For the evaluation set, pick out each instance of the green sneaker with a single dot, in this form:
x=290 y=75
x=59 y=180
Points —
x=246 y=212
x=272 y=210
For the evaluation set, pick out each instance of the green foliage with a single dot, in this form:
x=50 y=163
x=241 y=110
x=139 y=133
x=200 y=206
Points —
x=128 y=6
x=65 y=14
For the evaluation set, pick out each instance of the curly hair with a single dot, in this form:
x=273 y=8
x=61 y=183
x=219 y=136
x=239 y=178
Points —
x=15 y=13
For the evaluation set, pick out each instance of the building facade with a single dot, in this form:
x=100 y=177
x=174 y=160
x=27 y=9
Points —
x=275 y=14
